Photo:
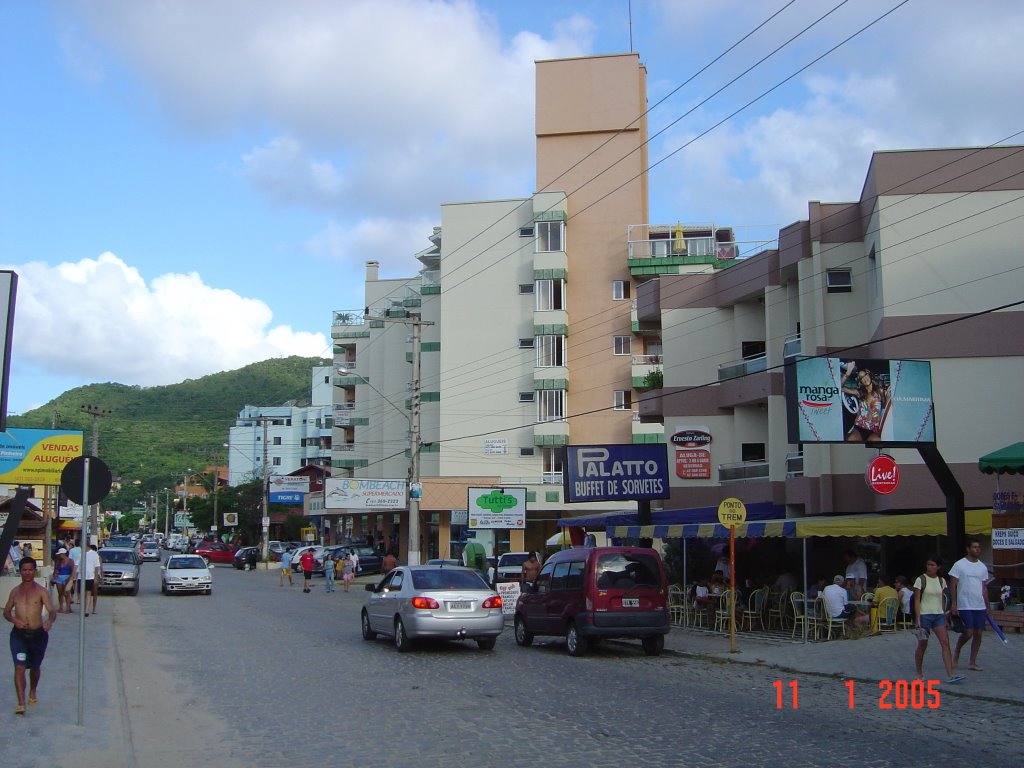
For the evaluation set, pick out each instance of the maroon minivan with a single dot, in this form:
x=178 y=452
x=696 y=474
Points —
x=588 y=593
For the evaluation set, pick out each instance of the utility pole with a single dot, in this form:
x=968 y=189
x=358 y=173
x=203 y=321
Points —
x=265 y=548
x=417 y=323
x=87 y=533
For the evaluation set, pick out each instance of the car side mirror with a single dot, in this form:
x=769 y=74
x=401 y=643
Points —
x=529 y=586
x=371 y=587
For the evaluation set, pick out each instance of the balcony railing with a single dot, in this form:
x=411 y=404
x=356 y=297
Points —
x=795 y=464
x=739 y=368
x=792 y=346
x=653 y=241
x=646 y=359
x=431 y=277
x=743 y=470
x=344 y=447
x=348 y=317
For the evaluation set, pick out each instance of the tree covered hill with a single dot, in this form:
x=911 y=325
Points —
x=153 y=434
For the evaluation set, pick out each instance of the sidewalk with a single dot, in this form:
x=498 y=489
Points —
x=889 y=656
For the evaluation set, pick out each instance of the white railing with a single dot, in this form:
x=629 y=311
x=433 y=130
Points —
x=344 y=447
x=347 y=317
x=795 y=464
x=646 y=359
x=792 y=346
x=653 y=241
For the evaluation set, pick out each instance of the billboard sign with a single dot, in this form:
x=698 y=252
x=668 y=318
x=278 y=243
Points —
x=285 y=497
x=359 y=493
x=37 y=456
x=1008 y=538
x=289 y=483
x=841 y=400
x=615 y=472
x=497 y=508
x=693 y=453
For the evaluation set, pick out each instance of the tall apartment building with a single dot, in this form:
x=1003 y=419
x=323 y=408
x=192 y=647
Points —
x=296 y=436
x=531 y=342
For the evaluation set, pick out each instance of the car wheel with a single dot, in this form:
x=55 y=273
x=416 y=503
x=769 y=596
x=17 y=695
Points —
x=402 y=641
x=653 y=645
x=209 y=591
x=575 y=643
x=134 y=590
x=523 y=637
x=364 y=621
x=486 y=643
x=163 y=588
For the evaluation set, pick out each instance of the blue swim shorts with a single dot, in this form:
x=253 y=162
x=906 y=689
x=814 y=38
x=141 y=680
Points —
x=28 y=646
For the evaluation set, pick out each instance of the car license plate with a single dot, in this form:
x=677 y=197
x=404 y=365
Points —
x=631 y=602
x=460 y=605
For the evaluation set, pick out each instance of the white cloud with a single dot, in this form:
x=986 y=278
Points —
x=134 y=333
x=392 y=242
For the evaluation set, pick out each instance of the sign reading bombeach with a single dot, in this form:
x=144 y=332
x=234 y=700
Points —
x=840 y=400
x=615 y=472
x=355 y=493
x=37 y=456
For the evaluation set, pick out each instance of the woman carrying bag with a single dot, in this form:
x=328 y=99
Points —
x=930 y=599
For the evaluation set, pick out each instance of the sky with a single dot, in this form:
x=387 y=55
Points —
x=188 y=187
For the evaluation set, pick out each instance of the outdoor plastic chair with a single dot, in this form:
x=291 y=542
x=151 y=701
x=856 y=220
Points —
x=777 y=608
x=887 y=614
x=755 y=608
x=826 y=622
x=676 y=609
x=726 y=604
x=796 y=600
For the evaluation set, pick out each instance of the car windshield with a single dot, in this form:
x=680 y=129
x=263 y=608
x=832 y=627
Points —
x=513 y=559
x=186 y=563
x=623 y=571
x=121 y=541
x=447 y=578
x=113 y=556
x=363 y=551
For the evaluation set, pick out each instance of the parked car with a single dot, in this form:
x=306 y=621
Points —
x=597 y=592
x=185 y=573
x=120 y=569
x=151 y=550
x=242 y=557
x=421 y=601
x=510 y=566
x=451 y=563
x=318 y=553
x=214 y=552
x=369 y=560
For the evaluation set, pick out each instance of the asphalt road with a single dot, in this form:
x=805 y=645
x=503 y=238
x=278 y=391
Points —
x=262 y=675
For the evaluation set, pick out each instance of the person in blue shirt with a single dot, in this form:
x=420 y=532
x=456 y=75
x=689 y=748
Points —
x=286 y=568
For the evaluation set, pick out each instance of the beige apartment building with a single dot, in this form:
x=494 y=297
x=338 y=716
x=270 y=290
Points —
x=926 y=265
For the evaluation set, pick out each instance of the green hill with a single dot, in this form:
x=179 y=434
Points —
x=153 y=434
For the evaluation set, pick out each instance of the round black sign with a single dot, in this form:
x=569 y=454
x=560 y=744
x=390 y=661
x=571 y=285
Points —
x=73 y=476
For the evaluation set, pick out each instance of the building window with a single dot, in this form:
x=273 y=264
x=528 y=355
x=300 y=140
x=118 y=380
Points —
x=551 y=405
x=525 y=288
x=620 y=290
x=526 y=343
x=526 y=397
x=654 y=347
x=621 y=345
x=550 y=295
x=838 y=280
x=526 y=451
x=277 y=461
x=549 y=236
x=551 y=351
x=277 y=441
x=622 y=400
x=526 y=231
x=551 y=456
x=873 y=275
x=752 y=452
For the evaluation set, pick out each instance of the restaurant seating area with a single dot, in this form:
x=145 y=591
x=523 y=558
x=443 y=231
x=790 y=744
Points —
x=781 y=614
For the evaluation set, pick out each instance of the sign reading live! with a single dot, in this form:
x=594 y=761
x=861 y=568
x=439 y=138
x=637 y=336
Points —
x=37 y=456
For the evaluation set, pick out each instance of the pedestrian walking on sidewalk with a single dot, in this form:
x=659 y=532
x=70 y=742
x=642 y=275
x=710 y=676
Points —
x=30 y=632
x=929 y=606
x=62 y=578
x=348 y=570
x=93 y=568
x=286 y=568
x=967 y=580
x=328 y=572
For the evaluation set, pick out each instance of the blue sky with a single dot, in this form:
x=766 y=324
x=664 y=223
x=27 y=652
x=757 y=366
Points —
x=188 y=187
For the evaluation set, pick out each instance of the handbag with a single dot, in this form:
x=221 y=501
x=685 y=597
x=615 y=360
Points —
x=956 y=623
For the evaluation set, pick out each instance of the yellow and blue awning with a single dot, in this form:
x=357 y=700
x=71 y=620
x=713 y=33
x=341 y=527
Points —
x=977 y=522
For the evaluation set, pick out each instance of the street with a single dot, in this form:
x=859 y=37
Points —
x=262 y=675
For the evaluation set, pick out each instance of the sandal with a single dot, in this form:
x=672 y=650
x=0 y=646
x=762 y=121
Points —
x=32 y=701
x=19 y=710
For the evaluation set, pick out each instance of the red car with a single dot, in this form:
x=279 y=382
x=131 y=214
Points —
x=215 y=552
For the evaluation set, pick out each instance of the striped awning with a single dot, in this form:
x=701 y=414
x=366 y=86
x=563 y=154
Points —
x=978 y=522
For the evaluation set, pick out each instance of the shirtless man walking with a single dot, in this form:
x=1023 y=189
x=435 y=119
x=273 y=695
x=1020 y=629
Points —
x=30 y=634
x=531 y=567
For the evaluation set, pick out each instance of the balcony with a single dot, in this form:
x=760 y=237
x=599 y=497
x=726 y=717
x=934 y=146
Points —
x=738 y=368
x=675 y=249
x=551 y=433
x=792 y=347
x=742 y=471
x=349 y=324
x=795 y=464
x=642 y=366
x=647 y=432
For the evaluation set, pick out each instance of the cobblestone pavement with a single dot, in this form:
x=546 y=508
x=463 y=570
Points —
x=260 y=675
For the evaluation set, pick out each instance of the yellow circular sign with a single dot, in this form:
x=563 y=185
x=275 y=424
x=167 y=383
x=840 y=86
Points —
x=732 y=512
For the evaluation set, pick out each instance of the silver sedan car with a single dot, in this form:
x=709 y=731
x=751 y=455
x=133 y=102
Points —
x=439 y=601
